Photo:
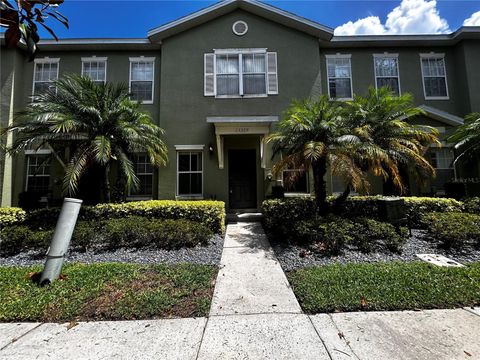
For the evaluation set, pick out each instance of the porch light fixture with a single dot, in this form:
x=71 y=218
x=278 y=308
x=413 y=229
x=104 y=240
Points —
x=210 y=148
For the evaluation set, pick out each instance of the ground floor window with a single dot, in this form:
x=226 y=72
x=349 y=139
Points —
x=442 y=160
x=189 y=173
x=38 y=174
x=144 y=171
x=295 y=181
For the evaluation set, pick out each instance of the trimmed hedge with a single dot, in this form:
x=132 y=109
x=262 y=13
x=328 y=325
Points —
x=279 y=213
x=454 y=230
x=472 y=205
x=11 y=215
x=209 y=213
x=128 y=232
x=330 y=235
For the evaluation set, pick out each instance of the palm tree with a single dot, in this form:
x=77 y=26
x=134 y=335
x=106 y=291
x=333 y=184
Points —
x=467 y=137
x=315 y=134
x=97 y=123
x=388 y=141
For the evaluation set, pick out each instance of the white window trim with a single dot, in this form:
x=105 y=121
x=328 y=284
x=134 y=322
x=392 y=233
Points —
x=239 y=53
x=142 y=59
x=339 y=56
x=30 y=153
x=187 y=148
x=189 y=196
x=434 y=56
x=45 y=60
x=387 y=56
x=95 y=59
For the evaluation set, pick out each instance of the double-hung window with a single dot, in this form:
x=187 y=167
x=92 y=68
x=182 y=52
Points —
x=241 y=73
x=339 y=74
x=44 y=74
x=386 y=72
x=295 y=181
x=38 y=173
x=144 y=171
x=442 y=158
x=190 y=173
x=95 y=68
x=434 y=76
x=142 y=79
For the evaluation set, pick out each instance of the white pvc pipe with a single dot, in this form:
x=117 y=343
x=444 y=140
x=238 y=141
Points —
x=61 y=240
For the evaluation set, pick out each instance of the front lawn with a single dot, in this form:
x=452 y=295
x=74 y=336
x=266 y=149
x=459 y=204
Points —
x=108 y=292
x=385 y=286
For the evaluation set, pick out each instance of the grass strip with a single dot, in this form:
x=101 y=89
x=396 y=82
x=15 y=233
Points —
x=108 y=291
x=385 y=286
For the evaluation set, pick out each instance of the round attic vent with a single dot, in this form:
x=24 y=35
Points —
x=240 y=28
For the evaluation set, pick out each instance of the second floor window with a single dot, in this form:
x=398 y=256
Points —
x=141 y=79
x=241 y=73
x=386 y=72
x=339 y=73
x=45 y=73
x=95 y=69
x=434 y=76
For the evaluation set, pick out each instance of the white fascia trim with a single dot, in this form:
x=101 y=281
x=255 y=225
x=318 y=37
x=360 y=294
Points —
x=189 y=147
x=38 y=152
x=385 y=55
x=221 y=4
x=94 y=58
x=241 y=119
x=432 y=55
x=142 y=58
x=338 y=56
x=240 y=51
x=94 y=41
x=441 y=115
x=46 y=60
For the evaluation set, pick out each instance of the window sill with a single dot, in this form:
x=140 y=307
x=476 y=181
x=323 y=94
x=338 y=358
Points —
x=189 y=197
x=341 y=99
x=147 y=102
x=241 y=96
x=297 y=194
x=139 y=197
x=437 y=98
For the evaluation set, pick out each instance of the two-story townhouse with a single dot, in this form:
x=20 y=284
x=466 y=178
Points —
x=219 y=79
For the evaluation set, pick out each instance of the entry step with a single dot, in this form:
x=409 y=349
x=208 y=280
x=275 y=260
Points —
x=244 y=217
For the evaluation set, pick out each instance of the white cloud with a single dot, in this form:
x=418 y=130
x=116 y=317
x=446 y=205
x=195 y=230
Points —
x=473 y=20
x=410 y=17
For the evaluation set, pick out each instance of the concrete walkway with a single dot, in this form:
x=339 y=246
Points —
x=254 y=315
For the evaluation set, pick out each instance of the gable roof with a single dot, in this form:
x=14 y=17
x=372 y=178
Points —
x=253 y=6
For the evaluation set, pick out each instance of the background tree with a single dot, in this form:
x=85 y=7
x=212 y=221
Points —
x=21 y=18
x=388 y=142
x=467 y=138
x=97 y=123
x=315 y=134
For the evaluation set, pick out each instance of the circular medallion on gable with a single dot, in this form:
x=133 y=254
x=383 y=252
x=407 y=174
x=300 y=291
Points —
x=240 y=28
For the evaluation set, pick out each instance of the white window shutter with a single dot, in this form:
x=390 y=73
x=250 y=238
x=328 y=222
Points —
x=272 y=73
x=209 y=72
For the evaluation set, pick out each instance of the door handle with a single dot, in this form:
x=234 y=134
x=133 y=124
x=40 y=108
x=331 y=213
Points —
x=231 y=191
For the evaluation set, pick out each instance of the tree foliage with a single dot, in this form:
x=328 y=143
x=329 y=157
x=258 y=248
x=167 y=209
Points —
x=367 y=135
x=467 y=137
x=97 y=123
x=22 y=17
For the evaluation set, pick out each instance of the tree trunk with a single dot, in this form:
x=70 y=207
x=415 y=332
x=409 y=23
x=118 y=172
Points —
x=319 y=168
x=106 y=184
x=339 y=201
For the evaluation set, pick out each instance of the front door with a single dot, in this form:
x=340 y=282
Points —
x=242 y=177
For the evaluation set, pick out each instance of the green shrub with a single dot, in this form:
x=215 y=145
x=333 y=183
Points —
x=419 y=207
x=454 y=230
x=13 y=239
x=328 y=235
x=370 y=234
x=209 y=213
x=472 y=205
x=11 y=215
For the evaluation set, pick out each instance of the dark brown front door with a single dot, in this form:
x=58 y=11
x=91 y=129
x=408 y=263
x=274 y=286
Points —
x=242 y=176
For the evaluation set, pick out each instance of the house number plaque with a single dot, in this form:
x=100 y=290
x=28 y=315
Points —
x=242 y=130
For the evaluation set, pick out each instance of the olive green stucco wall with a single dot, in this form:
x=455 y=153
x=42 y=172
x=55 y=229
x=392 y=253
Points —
x=181 y=108
x=184 y=108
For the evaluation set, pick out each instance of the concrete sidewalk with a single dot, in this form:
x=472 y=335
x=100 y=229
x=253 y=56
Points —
x=255 y=315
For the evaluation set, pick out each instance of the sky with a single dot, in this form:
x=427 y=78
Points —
x=133 y=18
